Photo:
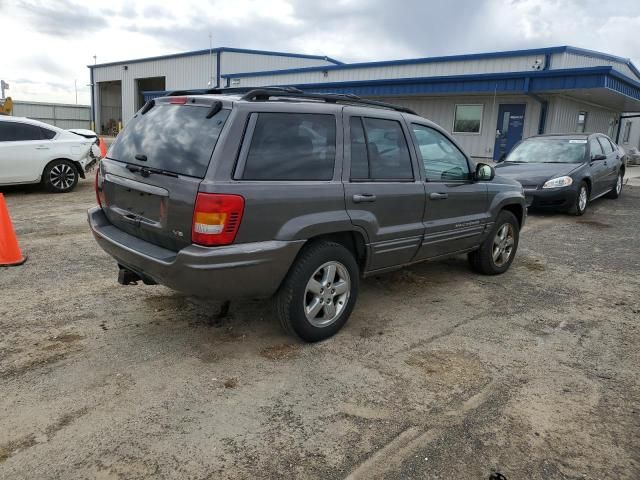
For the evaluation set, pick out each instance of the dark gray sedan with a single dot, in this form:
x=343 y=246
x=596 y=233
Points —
x=566 y=172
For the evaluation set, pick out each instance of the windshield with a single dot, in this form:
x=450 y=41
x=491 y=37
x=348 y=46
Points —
x=549 y=150
x=176 y=138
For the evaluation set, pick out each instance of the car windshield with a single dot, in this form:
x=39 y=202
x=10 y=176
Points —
x=549 y=150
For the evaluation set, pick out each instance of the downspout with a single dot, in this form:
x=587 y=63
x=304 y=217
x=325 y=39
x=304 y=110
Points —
x=544 y=104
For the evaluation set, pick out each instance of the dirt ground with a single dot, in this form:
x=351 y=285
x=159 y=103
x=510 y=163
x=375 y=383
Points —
x=440 y=373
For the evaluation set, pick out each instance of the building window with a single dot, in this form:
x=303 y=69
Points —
x=627 y=132
x=468 y=119
x=582 y=122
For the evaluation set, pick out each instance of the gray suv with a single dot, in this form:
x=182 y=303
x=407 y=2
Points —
x=278 y=193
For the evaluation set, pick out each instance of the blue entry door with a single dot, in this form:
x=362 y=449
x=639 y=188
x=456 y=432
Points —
x=509 y=128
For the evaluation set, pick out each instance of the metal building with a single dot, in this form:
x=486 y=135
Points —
x=119 y=89
x=61 y=115
x=488 y=101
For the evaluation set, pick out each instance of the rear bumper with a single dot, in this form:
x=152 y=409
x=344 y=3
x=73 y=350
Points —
x=251 y=270
x=554 y=198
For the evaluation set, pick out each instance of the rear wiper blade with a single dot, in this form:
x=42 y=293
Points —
x=146 y=171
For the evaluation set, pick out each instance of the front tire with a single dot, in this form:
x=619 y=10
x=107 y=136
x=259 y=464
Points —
x=498 y=250
x=582 y=200
x=616 y=191
x=319 y=293
x=60 y=176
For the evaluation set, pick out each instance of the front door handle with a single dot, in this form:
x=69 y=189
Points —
x=438 y=196
x=42 y=148
x=364 y=198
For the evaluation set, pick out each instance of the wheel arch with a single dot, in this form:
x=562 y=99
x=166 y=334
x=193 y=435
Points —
x=517 y=210
x=352 y=240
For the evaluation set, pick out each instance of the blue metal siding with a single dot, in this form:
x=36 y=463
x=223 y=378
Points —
x=501 y=83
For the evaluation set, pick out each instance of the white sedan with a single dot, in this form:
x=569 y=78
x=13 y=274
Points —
x=36 y=152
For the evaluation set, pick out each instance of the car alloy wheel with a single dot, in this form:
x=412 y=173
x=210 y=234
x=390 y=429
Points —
x=62 y=176
x=619 y=185
x=503 y=245
x=327 y=294
x=582 y=199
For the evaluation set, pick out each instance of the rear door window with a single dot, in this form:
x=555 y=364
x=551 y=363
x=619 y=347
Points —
x=291 y=146
x=606 y=145
x=595 y=147
x=19 y=132
x=176 y=138
x=47 y=134
x=379 y=150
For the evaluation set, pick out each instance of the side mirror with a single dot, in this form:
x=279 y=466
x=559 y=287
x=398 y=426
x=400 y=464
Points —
x=484 y=172
x=597 y=157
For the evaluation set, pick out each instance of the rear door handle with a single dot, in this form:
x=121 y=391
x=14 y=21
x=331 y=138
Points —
x=42 y=148
x=364 y=198
x=438 y=196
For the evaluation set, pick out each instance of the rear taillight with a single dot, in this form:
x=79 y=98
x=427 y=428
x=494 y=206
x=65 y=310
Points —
x=216 y=219
x=98 y=187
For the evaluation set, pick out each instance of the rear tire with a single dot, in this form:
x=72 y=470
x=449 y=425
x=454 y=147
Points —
x=582 y=200
x=498 y=250
x=319 y=293
x=60 y=176
x=616 y=191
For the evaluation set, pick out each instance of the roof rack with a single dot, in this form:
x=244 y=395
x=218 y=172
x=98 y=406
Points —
x=265 y=93
x=227 y=90
x=253 y=94
x=206 y=91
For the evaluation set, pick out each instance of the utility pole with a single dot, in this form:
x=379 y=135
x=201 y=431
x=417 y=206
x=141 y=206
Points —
x=75 y=84
x=210 y=82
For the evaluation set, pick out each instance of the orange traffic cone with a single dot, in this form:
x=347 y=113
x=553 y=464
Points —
x=103 y=147
x=10 y=254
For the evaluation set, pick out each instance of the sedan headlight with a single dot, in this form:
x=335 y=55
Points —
x=558 y=182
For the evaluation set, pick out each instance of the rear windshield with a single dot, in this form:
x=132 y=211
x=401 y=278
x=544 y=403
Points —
x=176 y=138
x=549 y=150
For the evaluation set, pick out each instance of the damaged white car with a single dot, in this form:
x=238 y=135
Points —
x=36 y=152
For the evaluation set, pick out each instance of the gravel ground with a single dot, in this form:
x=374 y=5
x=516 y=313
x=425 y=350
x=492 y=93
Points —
x=440 y=373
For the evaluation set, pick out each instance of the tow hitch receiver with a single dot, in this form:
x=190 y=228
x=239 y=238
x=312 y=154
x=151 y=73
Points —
x=127 y=277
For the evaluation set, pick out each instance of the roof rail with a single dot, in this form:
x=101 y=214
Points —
x=226 y=90
x=265 y=93
x=206 y=91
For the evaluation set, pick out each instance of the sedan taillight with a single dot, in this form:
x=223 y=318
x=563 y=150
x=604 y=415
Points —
x=216 y=219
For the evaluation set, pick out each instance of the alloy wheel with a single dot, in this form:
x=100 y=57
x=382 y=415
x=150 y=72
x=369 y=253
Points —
x=503 y=245
x=327 y=294
x=582 y=199
x=619 y=185
x=62 y=176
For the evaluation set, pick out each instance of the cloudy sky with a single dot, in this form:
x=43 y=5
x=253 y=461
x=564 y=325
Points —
x=46 y=45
